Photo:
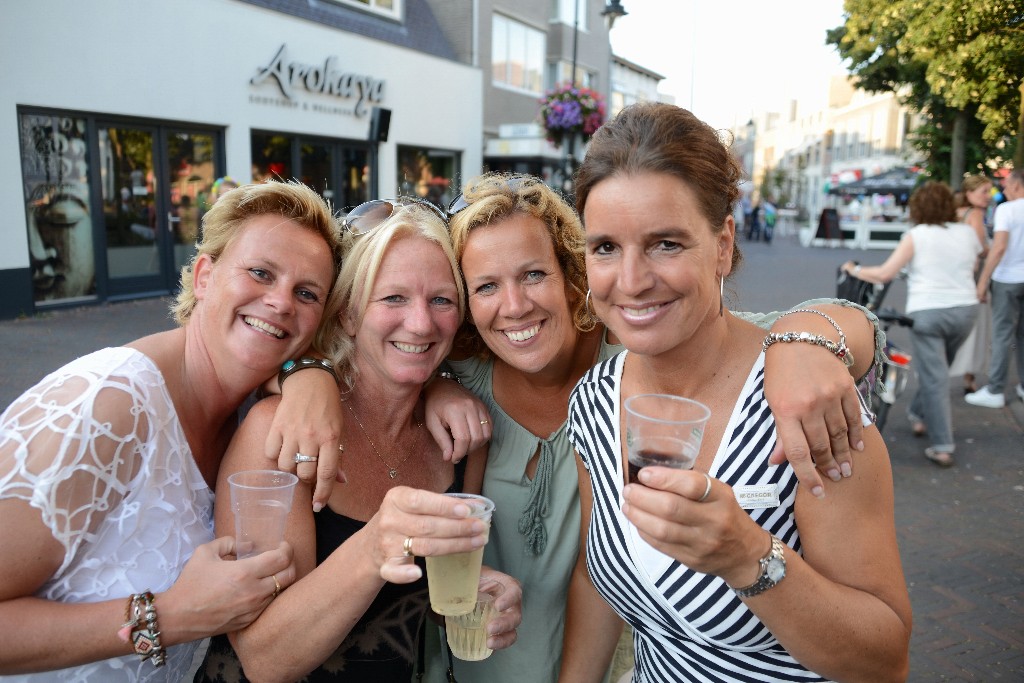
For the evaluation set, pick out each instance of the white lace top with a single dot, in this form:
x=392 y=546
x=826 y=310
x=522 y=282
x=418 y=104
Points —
x=98 y=449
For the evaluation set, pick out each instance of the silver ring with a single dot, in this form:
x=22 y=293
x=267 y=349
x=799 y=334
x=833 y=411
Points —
x=277 y=586
x=299 y=457
x=407 y=546
x=707 y=489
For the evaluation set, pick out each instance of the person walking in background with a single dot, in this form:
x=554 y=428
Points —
x=754 y=226
x=942 y=301
x=771 y=214
x=972 y=359
x=1004 y=269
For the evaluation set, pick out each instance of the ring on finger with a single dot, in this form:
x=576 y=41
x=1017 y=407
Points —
x=407 y=546
x=299 y=457
x=483 y=422
x=277 y=586
x=707 y=489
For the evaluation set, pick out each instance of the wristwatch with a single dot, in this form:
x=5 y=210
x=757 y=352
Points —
x=773 y=570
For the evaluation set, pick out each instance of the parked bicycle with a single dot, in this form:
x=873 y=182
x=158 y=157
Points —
x=891 y=382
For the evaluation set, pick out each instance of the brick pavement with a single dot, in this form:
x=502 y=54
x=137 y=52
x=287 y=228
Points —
x=961 y=530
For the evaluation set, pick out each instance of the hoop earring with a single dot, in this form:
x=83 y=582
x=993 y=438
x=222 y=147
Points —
x=586 y=305
x=721 y=296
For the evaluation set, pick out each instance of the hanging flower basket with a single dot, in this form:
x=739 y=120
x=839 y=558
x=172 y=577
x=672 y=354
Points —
x=566 y=110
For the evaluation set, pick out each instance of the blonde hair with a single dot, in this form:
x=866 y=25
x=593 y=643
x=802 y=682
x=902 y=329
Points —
x=970 y=184
x=493 y=197
x=225 y=221
x=364 y=255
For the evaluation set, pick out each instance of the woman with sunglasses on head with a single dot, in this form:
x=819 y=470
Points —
x=715 y=590
x=356 y=608
x=532 y=336
x=111 y=570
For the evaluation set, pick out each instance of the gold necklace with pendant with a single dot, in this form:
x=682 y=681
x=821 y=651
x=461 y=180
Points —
x=392 y=471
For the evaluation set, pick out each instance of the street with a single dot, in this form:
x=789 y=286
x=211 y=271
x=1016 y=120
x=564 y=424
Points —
x=960 y=530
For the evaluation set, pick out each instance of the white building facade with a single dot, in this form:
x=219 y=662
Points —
x=123 y=115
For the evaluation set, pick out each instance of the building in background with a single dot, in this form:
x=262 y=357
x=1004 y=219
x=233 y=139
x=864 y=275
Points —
x=797 y=157
x=123 y=119
x=526 y=48
x=632 y=83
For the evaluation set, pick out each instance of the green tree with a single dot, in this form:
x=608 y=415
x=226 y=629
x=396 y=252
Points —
x=960 y=64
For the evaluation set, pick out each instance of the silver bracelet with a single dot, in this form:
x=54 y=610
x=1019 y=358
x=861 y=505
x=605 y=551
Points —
x=840 y=350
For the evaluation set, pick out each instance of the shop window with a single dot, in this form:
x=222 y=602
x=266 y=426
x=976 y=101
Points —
x=428 y=173
x=55 y=175
x=517 y=55
x=271 y=157
x=337 y=169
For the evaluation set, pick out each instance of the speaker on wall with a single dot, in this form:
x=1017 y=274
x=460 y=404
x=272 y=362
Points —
x=380 y=123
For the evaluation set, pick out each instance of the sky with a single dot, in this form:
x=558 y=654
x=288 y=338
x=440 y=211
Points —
x=741 y=56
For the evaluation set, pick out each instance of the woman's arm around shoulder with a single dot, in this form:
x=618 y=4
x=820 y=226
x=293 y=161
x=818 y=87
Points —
x=811 y=389
x=308 y=420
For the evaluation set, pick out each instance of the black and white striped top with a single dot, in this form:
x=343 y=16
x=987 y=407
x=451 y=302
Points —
x=688 y=626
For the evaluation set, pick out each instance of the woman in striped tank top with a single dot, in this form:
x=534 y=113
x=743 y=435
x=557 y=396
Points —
x=731 y=571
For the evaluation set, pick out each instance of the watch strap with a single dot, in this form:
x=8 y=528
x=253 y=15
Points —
x=764 y=580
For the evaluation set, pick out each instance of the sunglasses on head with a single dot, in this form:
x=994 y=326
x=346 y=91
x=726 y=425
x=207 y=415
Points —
x=369 y=216
x=513 y=183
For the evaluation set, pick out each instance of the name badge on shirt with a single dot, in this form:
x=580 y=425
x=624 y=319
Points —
x=757 y=496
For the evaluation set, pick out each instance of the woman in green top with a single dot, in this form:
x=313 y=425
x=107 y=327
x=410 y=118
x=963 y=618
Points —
x=531 y=337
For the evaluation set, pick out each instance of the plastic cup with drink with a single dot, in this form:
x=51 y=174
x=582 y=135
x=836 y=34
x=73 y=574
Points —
x=452 y=580
x=467 y=633
x=663 y=430
x=261 y=501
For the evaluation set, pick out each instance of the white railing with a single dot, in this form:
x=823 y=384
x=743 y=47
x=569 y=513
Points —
x=858 y=234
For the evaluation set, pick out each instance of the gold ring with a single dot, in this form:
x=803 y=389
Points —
x=707 y=489
x=277 y=586
x=407 y=546
x=483 y=422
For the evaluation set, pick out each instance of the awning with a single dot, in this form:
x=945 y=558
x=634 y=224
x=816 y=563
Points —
x=898 y=181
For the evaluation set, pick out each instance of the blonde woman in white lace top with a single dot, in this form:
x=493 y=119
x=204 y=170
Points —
x=107 y=465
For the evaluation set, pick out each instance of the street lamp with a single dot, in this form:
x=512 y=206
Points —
x=612 y=11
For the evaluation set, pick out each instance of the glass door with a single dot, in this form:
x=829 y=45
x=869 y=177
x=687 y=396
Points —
x=131 y=220
x=191 y=163
x=155 y=182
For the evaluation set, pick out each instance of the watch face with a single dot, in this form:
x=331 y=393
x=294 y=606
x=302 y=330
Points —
x=776 y=569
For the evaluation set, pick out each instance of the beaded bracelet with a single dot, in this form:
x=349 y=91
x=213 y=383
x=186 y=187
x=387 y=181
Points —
x=840 y=350
x=450 y=375
x=144 y=638
x=292 y=366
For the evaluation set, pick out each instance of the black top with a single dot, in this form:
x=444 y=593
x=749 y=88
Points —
x=381 y=647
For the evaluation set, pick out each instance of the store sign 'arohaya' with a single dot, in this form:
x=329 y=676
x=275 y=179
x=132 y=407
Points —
x=327 y=79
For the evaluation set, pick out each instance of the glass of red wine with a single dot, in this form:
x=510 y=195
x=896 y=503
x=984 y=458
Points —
x=663 y=430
